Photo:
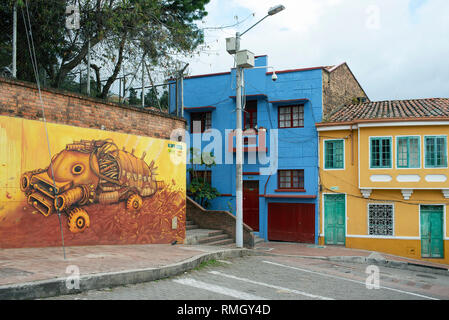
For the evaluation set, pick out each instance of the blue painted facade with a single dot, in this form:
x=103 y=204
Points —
x=297 y=147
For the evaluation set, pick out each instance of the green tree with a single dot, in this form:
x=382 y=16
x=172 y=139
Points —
x=133 y=99
x=164 y=100
x=151 y=99
x=121 y=33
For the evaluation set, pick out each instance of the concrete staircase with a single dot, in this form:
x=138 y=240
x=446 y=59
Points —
x=195 y=235
x=257 y=240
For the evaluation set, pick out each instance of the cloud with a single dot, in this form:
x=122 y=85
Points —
x=397 y=49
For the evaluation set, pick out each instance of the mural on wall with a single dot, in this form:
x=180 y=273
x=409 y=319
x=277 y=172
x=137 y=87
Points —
x=87 y=172
x=104 y=193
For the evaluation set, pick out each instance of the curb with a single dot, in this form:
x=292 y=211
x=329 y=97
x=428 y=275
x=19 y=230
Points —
x=372 y=261
x=57 y=287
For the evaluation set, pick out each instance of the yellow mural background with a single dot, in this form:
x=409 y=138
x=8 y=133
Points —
x=23 y=147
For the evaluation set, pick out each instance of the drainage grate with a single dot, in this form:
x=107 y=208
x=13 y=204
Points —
x=11 y=272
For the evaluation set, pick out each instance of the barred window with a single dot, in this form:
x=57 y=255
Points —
x=291 y=116
x=291 y=179
x=380 y=218
x=205 y=175
x=204 y=121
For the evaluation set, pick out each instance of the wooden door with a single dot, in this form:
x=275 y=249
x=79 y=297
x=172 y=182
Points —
x=334 y=219
x=432 y=243
x=251 y=204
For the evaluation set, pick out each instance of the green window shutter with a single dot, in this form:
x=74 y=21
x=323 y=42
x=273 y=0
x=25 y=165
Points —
x=380 y=149
x=436 y=152
x=333 y=154
x=408 y=152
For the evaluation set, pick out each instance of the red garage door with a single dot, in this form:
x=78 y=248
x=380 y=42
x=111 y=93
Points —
x=293 y=222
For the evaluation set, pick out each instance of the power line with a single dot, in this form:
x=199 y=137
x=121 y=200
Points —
x=32 y=52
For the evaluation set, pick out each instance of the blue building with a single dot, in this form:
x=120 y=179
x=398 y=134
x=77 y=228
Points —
x=281 y=182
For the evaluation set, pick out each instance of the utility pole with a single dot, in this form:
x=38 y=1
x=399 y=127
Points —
x=143 y=84
x=88 y=67
x=182 y=89
x=14 y=41
x=239 y=151
x=240 y=65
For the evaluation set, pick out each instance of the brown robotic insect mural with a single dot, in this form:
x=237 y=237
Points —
x=87 y=172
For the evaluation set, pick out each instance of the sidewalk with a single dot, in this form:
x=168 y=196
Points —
x=42 y=272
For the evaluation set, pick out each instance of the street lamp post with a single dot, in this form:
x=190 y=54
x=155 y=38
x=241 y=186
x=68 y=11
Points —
x=238 y=131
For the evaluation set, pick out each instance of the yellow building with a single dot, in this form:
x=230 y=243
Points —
x=384 y=178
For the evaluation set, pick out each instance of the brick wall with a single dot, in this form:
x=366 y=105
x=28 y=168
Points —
x=21 y=99
x=217 y=220
x=340 y=87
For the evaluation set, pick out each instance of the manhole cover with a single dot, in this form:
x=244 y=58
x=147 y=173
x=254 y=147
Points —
x=11 y=272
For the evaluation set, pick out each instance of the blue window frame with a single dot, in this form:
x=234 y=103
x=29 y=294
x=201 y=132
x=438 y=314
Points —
x=381 y=153
x=436 y=151
x=408 y=152
x=334 y=154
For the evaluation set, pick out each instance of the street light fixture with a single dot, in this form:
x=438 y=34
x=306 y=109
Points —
x=233 y=47
x=276 y=9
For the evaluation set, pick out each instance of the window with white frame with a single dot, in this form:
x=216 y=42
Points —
x=334 y=154
x=381 y=152
x=409 y=150
x=435 y=151
x=380 y=219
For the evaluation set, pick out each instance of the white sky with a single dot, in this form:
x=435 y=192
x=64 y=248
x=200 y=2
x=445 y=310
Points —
x=397 y=49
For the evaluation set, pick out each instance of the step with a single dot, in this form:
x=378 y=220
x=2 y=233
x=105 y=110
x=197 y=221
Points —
x=221 y=242
x=189 y=222
x=192 y=226
x=213 y=238
x=258 y=240
x=193 y=236
x=215 y=233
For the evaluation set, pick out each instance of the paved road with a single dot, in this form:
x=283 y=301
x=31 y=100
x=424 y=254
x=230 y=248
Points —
x=282 y=278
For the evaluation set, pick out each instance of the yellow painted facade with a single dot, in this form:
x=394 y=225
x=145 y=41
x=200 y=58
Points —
x=407 y=190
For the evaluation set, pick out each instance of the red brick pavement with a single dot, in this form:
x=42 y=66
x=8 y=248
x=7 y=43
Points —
x=27 y=265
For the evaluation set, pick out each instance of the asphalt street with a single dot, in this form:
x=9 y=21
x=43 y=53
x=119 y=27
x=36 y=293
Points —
x=283 y=278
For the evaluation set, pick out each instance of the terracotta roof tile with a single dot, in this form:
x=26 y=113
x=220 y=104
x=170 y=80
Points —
x=395 y=109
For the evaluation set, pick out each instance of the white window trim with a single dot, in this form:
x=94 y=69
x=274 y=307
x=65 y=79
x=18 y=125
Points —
x=393 y=158
x=424 y=151
x=367 y=220
x=324 y=154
